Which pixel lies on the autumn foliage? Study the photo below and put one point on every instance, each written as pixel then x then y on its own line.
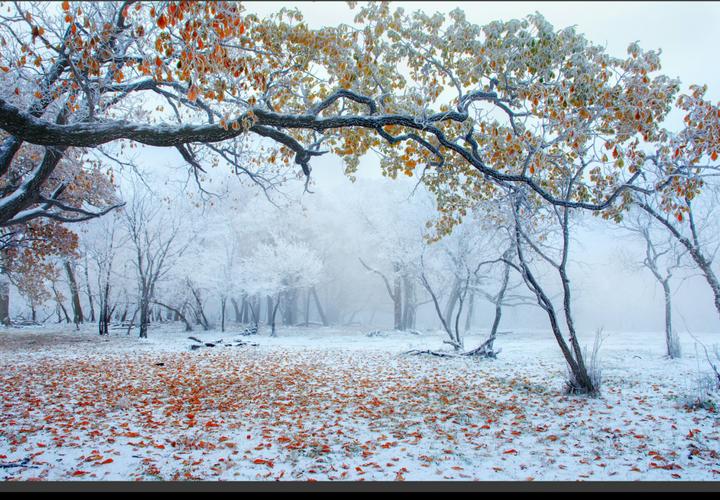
pixel 466 108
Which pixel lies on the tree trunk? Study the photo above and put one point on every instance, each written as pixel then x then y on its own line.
pixel 318 306
pixel 671 339
pixel 144 310
pixel 223 301
pixel 245 309
pixel 199 310
pixel 105 313
pixel 238 315
pixel 89 291
pixel 408 320
pixel 269 310
pixel 397 299
pixel 498 307
pixel 60 304
pixel 452 299
pixel 471 310
pixel 273 313
pixel 4 299
pixel 445 322
pixel 307 308
pixel 289 302
pixel 75 294
pixel 253 306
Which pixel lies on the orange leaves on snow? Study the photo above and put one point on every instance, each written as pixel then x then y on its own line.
pixel 261 461
pixel 264 408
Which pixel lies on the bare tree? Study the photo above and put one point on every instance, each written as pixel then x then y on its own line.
pixel 662 257
pixel 103 255
pixel 403 310
pixel 197 306
pixel 526 214
pixel 153 235
pixel 695 232
pixel 451 325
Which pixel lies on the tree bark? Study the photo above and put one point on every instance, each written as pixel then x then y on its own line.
pixel 4 298
pixel 89 292
pixel 320 310
pixel 397 298
pixel 273 313
pixel 144 310
pixel 671 340
pixel 223 301
pixel 75 294
pixel 470 312
pixel 238 316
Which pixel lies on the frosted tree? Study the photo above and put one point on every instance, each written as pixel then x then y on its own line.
pixel 663 257
pixel 396 225
pixel 279 266
pixel 154 233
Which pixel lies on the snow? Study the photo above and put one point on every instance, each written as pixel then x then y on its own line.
pixel 334 404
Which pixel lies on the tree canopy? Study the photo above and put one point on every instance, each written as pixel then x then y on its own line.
pixel 468 108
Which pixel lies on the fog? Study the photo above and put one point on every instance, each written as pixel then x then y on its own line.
pixel 608 291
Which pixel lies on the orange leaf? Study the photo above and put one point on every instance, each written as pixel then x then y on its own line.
pixel 79 473
pixel 192 93
pixel 66 6
pixel 261 461
pixel 162 22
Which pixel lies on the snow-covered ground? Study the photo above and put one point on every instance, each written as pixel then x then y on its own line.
pixel 335 404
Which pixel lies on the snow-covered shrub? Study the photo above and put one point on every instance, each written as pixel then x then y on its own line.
pixel 704 393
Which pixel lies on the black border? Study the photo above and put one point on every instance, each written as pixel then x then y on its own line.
pixel 355 486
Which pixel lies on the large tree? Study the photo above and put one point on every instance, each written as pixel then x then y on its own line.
pixel 471 106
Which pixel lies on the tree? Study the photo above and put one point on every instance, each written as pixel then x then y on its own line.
pixel 684 168
pixel 454 266
pixel 532 225
pixel 397 241
pixel 106 255
pixel 277 267
pixel 29 259
pixel 663 256
pixel 153 233
pixel 472 106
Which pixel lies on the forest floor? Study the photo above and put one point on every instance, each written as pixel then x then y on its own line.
pixel 334 404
